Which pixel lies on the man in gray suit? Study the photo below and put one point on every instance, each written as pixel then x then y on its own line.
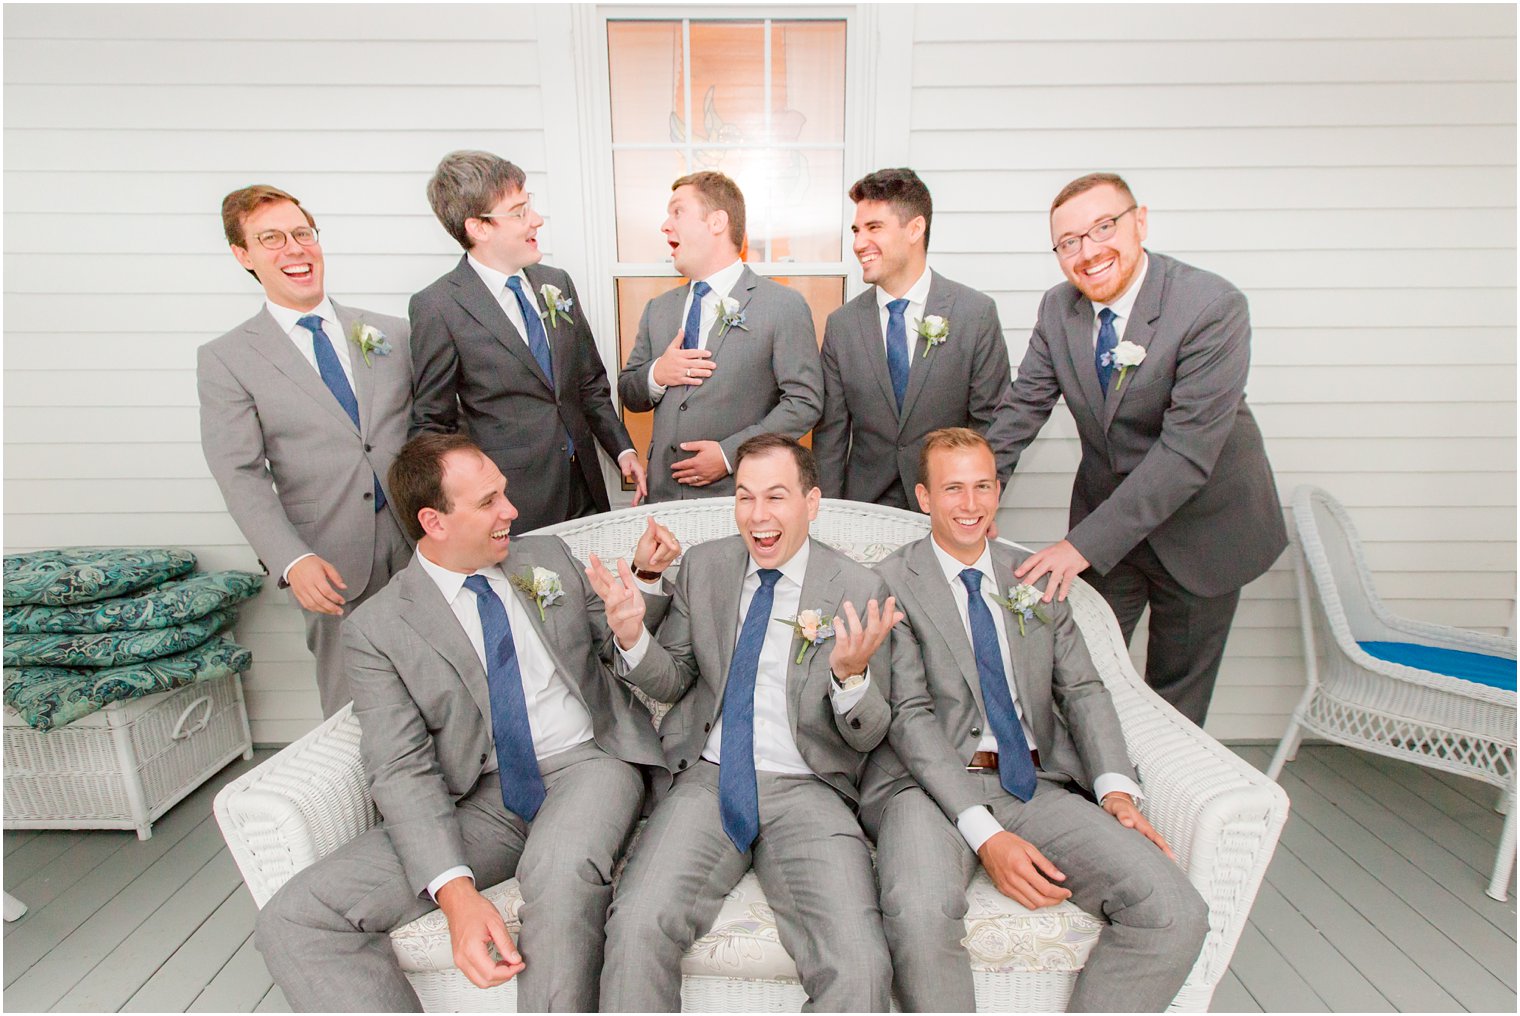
pixel 496 742
pixel 502 350
pixel 766 739
pixel 1174 502
pixel 914 353
pixel 743 359
pixel 303 407
pixel 1001 727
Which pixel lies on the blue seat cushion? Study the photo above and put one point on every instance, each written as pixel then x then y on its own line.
pixel 1494 671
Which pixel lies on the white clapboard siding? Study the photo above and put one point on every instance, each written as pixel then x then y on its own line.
pixel 1352 170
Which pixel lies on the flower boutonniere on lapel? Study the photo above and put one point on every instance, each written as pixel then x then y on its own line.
pixel 730 316
pixel 811 627
pixel 370 340
pixel 1024 604
pixel 541 584
pixel 1124 356
pixel 557 304
pixel 933 330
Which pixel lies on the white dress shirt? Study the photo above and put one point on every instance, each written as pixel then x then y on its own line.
pixel 722 283
pixel 976 823
pixel 913 314
pixel 1122 306
pixel 556 717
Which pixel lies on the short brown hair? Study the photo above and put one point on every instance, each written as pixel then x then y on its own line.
pixel 241 203
pixel 902 189
pixel 1083 184
pixel 416 476
pixel 466 185
pixel 948 439
pixel 760 444
pixel 719 194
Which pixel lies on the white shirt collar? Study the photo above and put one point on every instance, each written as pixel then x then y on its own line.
pixel 450 582
pixel 953 568
pixel 496 282
pixel 723 280
pixel 918 293
pixel 289 319
pixel 1126 302
pixel 795 569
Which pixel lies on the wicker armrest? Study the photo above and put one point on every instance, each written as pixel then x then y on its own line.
pixel 1445 637
pixel 297 807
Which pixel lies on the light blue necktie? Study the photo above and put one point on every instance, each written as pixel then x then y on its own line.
pixel 897 349
pixel 1103 352
pixel 738 794
pixel 693 333
pixel 538 339
pixel 1015 767
pixel 522 785
pixel 336 381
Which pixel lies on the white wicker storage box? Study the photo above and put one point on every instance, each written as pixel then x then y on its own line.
pixel 125 765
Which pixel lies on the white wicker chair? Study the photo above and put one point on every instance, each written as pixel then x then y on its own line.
pixel 1222 817
pixel 1402 712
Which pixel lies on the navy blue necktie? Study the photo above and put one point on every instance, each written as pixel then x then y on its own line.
pixel 1108 341
pixel 693 333
pixel 738 795
pixel 336 381
pixel 1015 767
pixel 897 349
pixel 522 785
pixel 538 339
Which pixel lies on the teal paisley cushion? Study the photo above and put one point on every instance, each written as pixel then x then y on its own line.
pixel 86 574
pixel 173 603
pixel 48 697
pixel 113 649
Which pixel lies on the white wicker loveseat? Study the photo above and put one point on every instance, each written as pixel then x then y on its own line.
pixel 1220 815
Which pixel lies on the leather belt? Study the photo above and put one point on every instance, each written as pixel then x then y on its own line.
pixel 988 760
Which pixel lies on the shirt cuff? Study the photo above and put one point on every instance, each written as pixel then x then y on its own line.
pixel 447 877
pixel 843 700
pixel 1107 783
pixel 726 464
pixel 656 391
pixel 625 452
pixel 977 826
pixel 654 588
pixel 285 575
pixel 631 658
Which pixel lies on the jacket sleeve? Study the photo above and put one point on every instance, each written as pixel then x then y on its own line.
pixel 831 437
pixel 435 370
pixel 633 381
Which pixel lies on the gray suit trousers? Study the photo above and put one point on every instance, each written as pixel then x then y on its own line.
pixel 1156 919
pixel 325 935
pixel 813 863
pixel 323 631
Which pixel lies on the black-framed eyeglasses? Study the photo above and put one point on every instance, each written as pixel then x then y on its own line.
pixel 522 211
pixel 274 239
pixel 1068 246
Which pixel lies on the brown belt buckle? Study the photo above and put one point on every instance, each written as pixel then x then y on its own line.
pixel 983 760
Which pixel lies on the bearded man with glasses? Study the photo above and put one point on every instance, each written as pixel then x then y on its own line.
pixel 303 408
pixel 1174 503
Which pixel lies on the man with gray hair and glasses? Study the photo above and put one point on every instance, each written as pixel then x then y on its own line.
pixel 501 348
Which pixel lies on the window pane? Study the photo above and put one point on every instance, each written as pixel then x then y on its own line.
pixel 644 66
pixel 641 186
pixel 794 197
pixel 728 82
pixel 807 81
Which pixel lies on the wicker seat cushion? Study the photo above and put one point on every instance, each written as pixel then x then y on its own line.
pixel 86 574
pixel 113 649
pixel 1494 671
pixel 172 603
pixel 48 697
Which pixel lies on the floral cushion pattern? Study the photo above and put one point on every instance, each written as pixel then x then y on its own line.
pixel 48 697
pixel 113 649
pixel 86 574
pixel 173 603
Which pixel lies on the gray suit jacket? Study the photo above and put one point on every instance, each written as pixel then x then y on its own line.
pixel 937 711
pixel 1173 455
pixel 767 380
pixel 474 372
pixel 424 707
pixel 688 663
pixel 865 447
pixel 296 474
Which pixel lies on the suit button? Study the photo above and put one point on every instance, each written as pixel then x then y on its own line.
pixel 706 728
pixel 683 407
pixel 681 764
pixel 855 724
pixel 976 731
pixel 675 448
pixel 482 758
pixel 369 495
pixel 369 448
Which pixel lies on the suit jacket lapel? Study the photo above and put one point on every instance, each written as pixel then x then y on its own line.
pixel 561 335
pixel 821 592
pixel 480 304
pixel 549 628
pixel 1079 341
pixel 727 588
pixel 265 336
pixel 867 319
pixel 1140 330
pixel 939 604
pixel 940 302
pixel 364 378
pixel 1034 701
pixel 431 617
pixel 743 291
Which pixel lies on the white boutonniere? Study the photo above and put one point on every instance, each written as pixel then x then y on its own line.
pixel 541 584
pixel 811 627
pixel 933 330
pixel 729 315
pixel 369 339
pixel 556 303
pixel 1124 356
pixel 1024 604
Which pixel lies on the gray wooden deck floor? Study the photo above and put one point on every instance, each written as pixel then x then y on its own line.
pixel 1374 902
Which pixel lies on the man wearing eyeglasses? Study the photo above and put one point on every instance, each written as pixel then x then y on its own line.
pixel 1174 503
pixel 303 407
pixel 501 348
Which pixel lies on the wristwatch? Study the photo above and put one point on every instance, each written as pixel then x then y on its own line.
pixel 850 683
pixel 646 576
